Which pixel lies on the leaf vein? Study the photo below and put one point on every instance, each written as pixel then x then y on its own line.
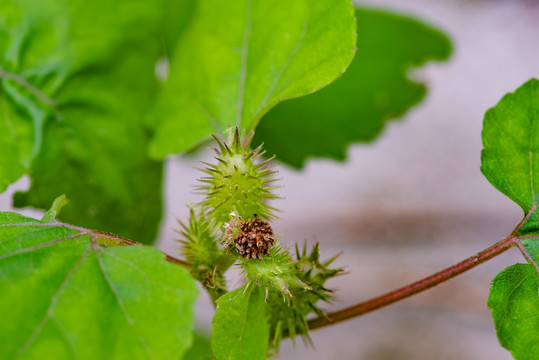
pixel 40 246
pixel 277 78
pixel 144 274
pixel 243 66
pixel 532 133
pixel 121 304
pixel 502 172
pixel 52 305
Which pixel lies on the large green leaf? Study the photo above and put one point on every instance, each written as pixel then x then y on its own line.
pixel 239 58
pixel 515 308
pixel 374 89
pixel 240 331
pixel 510 157
pixel 76 81
pixel 67 296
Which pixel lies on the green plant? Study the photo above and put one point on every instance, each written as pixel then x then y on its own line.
pixel 77 121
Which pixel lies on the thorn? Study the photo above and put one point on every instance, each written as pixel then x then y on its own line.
pixel 267 161
pixel 261 153
pixel 224 162
pixel 209 165
pixel 228 151
pixel 208 171
pixel 218 143
pixel 272 181
pixel 248 139
pixel 236 142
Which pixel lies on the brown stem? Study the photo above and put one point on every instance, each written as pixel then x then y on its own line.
pixel 124 241
pixel 110 239
pixel 422 285
pixel 416 287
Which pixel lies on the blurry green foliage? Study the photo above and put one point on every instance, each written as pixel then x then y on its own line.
pixel 86 97
pixel 78 91
pixel 374 89
pixel 238 59
pixel 199 350
pixel 77 79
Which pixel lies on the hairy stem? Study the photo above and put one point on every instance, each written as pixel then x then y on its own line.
pixel 108 239
pixel 124 241
pixel 416 287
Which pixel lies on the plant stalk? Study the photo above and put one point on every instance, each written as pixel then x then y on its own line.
pixel 414 288
pixel 116 240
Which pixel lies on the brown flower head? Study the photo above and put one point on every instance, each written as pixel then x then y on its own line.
pixel 255 239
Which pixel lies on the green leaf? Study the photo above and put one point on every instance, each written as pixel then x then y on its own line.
pixel 509 161
pixel 510 156
pixel 240 331
pixel 77 79
pixel 239 58
pixel 355 108
pixel 515 308
pixel 64 294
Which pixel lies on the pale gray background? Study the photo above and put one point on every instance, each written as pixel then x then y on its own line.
pixel 408 205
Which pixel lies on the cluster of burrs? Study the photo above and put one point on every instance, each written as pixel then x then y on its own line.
pixel 237 188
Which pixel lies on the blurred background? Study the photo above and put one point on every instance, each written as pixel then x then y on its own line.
pixel 407 205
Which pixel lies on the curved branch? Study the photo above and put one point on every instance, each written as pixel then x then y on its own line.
pixel 416 287
pixel 422 285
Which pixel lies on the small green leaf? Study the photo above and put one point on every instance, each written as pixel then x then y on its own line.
pixel 240 331
pixel 54 211
pixel 514 303
pixel 355 108
pixel 510 157
pixel 64 294
pixel 239 58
